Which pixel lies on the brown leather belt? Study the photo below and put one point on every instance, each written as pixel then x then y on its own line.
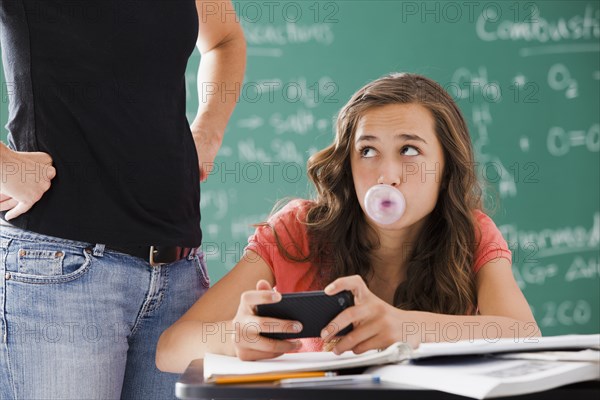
pixel 156 255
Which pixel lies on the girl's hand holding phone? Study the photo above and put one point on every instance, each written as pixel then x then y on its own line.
pixel 377 324
pixel 248 343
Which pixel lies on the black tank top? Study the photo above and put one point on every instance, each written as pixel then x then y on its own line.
pixel 100 86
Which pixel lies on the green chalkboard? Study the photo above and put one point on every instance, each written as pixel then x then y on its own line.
pixel 525 74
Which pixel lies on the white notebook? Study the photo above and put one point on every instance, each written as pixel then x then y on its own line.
pixel 220 365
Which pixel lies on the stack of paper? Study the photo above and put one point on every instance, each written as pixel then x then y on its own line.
pixel 478 369
pixel 216 365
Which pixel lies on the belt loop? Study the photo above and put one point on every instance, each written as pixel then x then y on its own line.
pixel 99 250
pixel 192 254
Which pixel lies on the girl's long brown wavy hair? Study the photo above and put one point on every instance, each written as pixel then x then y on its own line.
pixel 440 263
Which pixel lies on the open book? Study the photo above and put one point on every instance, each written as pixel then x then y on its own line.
pixel 507 367
pixel 488 377
pixel 218 365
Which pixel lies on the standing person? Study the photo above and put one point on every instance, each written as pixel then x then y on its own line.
pixel 100 194
pixel 442 272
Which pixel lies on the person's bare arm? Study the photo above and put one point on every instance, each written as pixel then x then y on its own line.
pixel 223 61
pixel 208 325
pixel 503 313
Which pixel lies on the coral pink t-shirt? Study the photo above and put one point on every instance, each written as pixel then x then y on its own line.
pixel 291 276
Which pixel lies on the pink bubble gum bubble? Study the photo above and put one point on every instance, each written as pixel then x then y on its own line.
pixel 384 204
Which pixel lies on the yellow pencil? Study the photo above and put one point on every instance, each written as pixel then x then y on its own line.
pixel 268 377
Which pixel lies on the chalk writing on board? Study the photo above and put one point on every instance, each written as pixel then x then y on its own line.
pixel 216 202
pixel 556 241
pixel 560 141
pixel 468 84
pixel 481 118
pixel 492 26
pixel 285 151
pixel 539 273
pixel 249 151
pixel 286 34
pixel 252 122
pixel 582 268
pixel 301 122
pixel 211 230
pixel 559 79
pixel 567 313
pixel 295 90
pixel 534 273
pixel 524 144
pixel 242 226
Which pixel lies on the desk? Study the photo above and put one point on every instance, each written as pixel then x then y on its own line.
pixel 191 386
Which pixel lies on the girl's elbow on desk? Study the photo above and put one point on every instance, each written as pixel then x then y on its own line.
pixel 434 327
pixel 163 354
pixel 170 356
pixel 176 348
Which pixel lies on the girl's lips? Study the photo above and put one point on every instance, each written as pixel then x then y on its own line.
pixel 384 204
pixel 387 203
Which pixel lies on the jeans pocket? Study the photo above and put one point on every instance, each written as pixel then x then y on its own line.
pixel 39 264
pixel 201 269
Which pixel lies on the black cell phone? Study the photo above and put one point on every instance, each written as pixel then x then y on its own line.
pixel 315 310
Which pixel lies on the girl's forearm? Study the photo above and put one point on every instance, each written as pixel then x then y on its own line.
pixel 188 340
pixel 431 327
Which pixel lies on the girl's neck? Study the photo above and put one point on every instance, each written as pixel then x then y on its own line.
pixel 395 245
pixel 390 258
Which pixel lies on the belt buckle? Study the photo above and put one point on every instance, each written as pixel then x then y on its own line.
pixel 151 257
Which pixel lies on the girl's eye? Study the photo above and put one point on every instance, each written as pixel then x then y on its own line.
pixel 410 151
pixel 367 152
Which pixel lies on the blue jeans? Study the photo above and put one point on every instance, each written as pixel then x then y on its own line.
pixel 81 322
